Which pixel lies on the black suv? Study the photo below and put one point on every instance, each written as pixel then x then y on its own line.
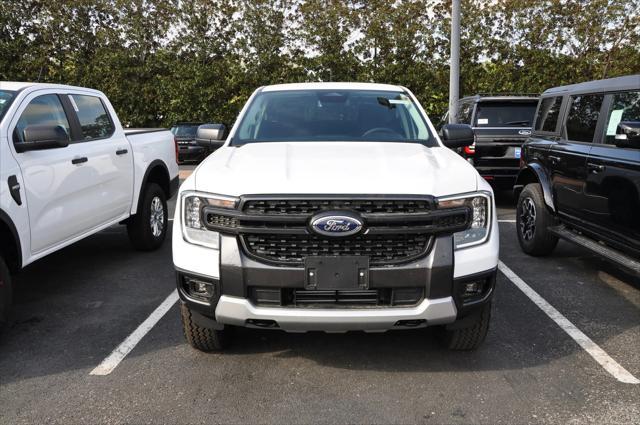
pixel 580 179
pixel 188 148
pixel 501 124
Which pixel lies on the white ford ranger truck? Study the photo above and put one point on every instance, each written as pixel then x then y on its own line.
pixel 69 170
pixel 335 207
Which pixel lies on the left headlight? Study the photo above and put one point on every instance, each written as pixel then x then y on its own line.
pixel 480 204
pixel 193 230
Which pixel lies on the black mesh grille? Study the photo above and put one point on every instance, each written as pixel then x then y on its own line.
pixel 302 297
pixel 311 206
pixel 221 221
pixel 381 249
pixel 298 297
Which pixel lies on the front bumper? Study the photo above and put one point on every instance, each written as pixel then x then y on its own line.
pixel 241 312
pixel 232 302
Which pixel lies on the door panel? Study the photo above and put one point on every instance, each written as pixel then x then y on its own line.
pixel 568 157
pixel 110 160
pixel 54 187
pixel 568 162
pixel 613 182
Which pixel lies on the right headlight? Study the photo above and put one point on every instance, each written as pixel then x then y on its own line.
pixel 193 230
pixel 480 204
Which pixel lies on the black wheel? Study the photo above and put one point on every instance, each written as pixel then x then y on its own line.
pixel 533 220
pixel 5 293
pixel 470 335
pixel 148 228
pixel 200 337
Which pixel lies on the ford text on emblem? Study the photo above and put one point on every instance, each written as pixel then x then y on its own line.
pixel 524 132
pixel 336 224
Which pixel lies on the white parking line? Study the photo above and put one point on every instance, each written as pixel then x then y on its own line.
pixel 113 360
pixel 506 221
pixel 599 355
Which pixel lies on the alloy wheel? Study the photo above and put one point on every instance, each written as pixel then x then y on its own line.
pixel 157 217
pixel 527 219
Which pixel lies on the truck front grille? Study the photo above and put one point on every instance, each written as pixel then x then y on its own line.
pixel 297 297
pixel 312 206
pixel 277 229
pixel 381 249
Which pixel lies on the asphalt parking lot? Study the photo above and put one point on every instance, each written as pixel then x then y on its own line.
pixel 75 307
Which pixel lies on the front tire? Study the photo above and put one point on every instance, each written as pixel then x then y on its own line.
pixel 533 221
pixel 5 293
pixel 148 228
pixel 203 338
pixel 472 334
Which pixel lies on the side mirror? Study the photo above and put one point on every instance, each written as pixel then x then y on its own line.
pixel 39 137
pixel 211 135
pixel 457 135
pixel 628 134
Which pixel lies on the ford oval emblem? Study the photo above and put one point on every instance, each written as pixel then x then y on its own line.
pixel 524 132
pixel 336 224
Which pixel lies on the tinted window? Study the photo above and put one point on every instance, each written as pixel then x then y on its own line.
pixel 43 110
pixel 185 130
pixel 505 114
pixel 94 120
pixel 332 115
pixel 583 117
pixel 625 107
pixel 465 110
pixel 6 97
pixel 548 112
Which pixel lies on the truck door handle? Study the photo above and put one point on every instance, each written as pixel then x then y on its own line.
pixel 79 160
pixel 14 189
pixel 595 168
pixel 122 152
pixel 555 159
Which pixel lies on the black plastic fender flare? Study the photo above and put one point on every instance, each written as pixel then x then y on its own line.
pixel 5 219
pixel 542 178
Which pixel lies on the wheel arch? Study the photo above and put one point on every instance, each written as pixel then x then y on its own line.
pixel 534 173
pixel 157 172
pixel 10 247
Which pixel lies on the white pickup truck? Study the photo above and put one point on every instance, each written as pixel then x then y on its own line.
pixel 335 207
pixel 68 170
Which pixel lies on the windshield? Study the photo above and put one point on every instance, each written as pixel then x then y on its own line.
pixel 185 130
pixel 505 114
pixel 6 97
pixel 332 115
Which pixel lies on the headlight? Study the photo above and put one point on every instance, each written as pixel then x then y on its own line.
pixel 480 204
pixel 193 230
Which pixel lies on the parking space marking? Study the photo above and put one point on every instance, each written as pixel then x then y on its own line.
pixel 113 360
pixel 506 221
pixel 598 354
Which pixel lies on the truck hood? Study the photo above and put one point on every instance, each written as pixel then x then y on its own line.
pixel 335 168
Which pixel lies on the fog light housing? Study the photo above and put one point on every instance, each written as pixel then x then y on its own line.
pixel 472 288
pixel 200 289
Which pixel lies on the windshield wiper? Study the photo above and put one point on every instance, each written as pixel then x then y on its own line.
pixel 525 122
